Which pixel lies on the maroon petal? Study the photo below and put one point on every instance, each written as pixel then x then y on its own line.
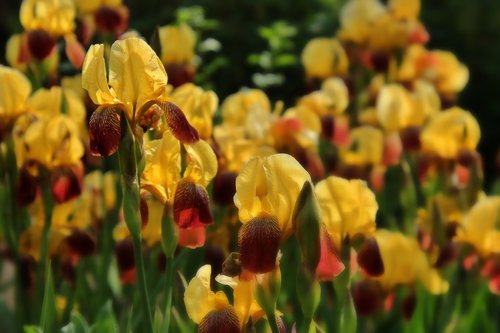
pixel 370 258
pixel 367 297
pixel 26 187
pixel 178 124
pixel 259 243
pixel 81 243
pixel 220 321
pixel 191 207
pixel 109 19
pixel 67 183
pixel 224 187
pixel 105 130
pixel 40 44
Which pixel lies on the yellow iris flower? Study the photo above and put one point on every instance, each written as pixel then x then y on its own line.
pixel 201 302
pixel 270 186
pixel 331 100
pixel 397 108
pixel 323 58
pixel 441 68
pixel 51 102
pixel 137 85
pixel 357 18
pixel 14 92
pixel 348 208
pixel 198 105
pixel 481 227
pixel 450 132
pixel 177 44
pixel 57 17
pixel 266 193
pixel 53 142
pixel 365 146
pixel 404 263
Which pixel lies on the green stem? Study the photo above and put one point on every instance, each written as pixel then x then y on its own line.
pixel 141 274
pixel 271 318
pixel 169 281
pixel 127 153
pixel 48 206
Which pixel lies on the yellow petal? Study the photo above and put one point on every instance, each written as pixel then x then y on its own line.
pixel 151 233
pixel 270 186
pixel 14 91
pixel 198 106
pixel 49 103
pixel 13 52
pixel 324 57
pixel 449 132
pixel 404 9
pixel 404 262
pixel 57 17
pixel 202 163
pixel 348 207
pixel 177 44
pixel 162 171
pixel 136 73
pixel 394 107
pixel 479 226
pixel 94 76
pixel 198 298
pixel 365 146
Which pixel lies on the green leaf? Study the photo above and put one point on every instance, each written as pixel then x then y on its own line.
pixel 106 322
pixel 32 329
pixel 158 321
pixel 78 324
pixel 48 316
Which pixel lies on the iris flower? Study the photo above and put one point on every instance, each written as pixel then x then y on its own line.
pixel 212 310
pixel 136 89
pixel 266 192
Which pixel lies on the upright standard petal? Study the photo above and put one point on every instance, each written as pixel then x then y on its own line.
pixel 202 163
pixel 14 91
pixel 94 76
pixel 270 186
pixel 136 74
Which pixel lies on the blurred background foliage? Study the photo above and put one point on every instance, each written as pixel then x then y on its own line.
pixel 257 43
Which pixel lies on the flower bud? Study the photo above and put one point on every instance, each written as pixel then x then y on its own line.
pixel 307 226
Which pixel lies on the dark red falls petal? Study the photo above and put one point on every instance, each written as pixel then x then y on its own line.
pixel 105 130
pixel 259 243
pixel 370 258
pixel 191 206
pixel 178 124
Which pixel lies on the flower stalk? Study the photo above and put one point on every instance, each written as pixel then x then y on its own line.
pixel 127 153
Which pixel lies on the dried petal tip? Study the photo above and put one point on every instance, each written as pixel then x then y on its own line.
pixel 191 206
pixel 105 130
pixel 178 124
pixel 259 242
pixel 370 258
pixel 220 321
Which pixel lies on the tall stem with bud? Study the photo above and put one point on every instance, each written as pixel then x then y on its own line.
pixel 128 153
